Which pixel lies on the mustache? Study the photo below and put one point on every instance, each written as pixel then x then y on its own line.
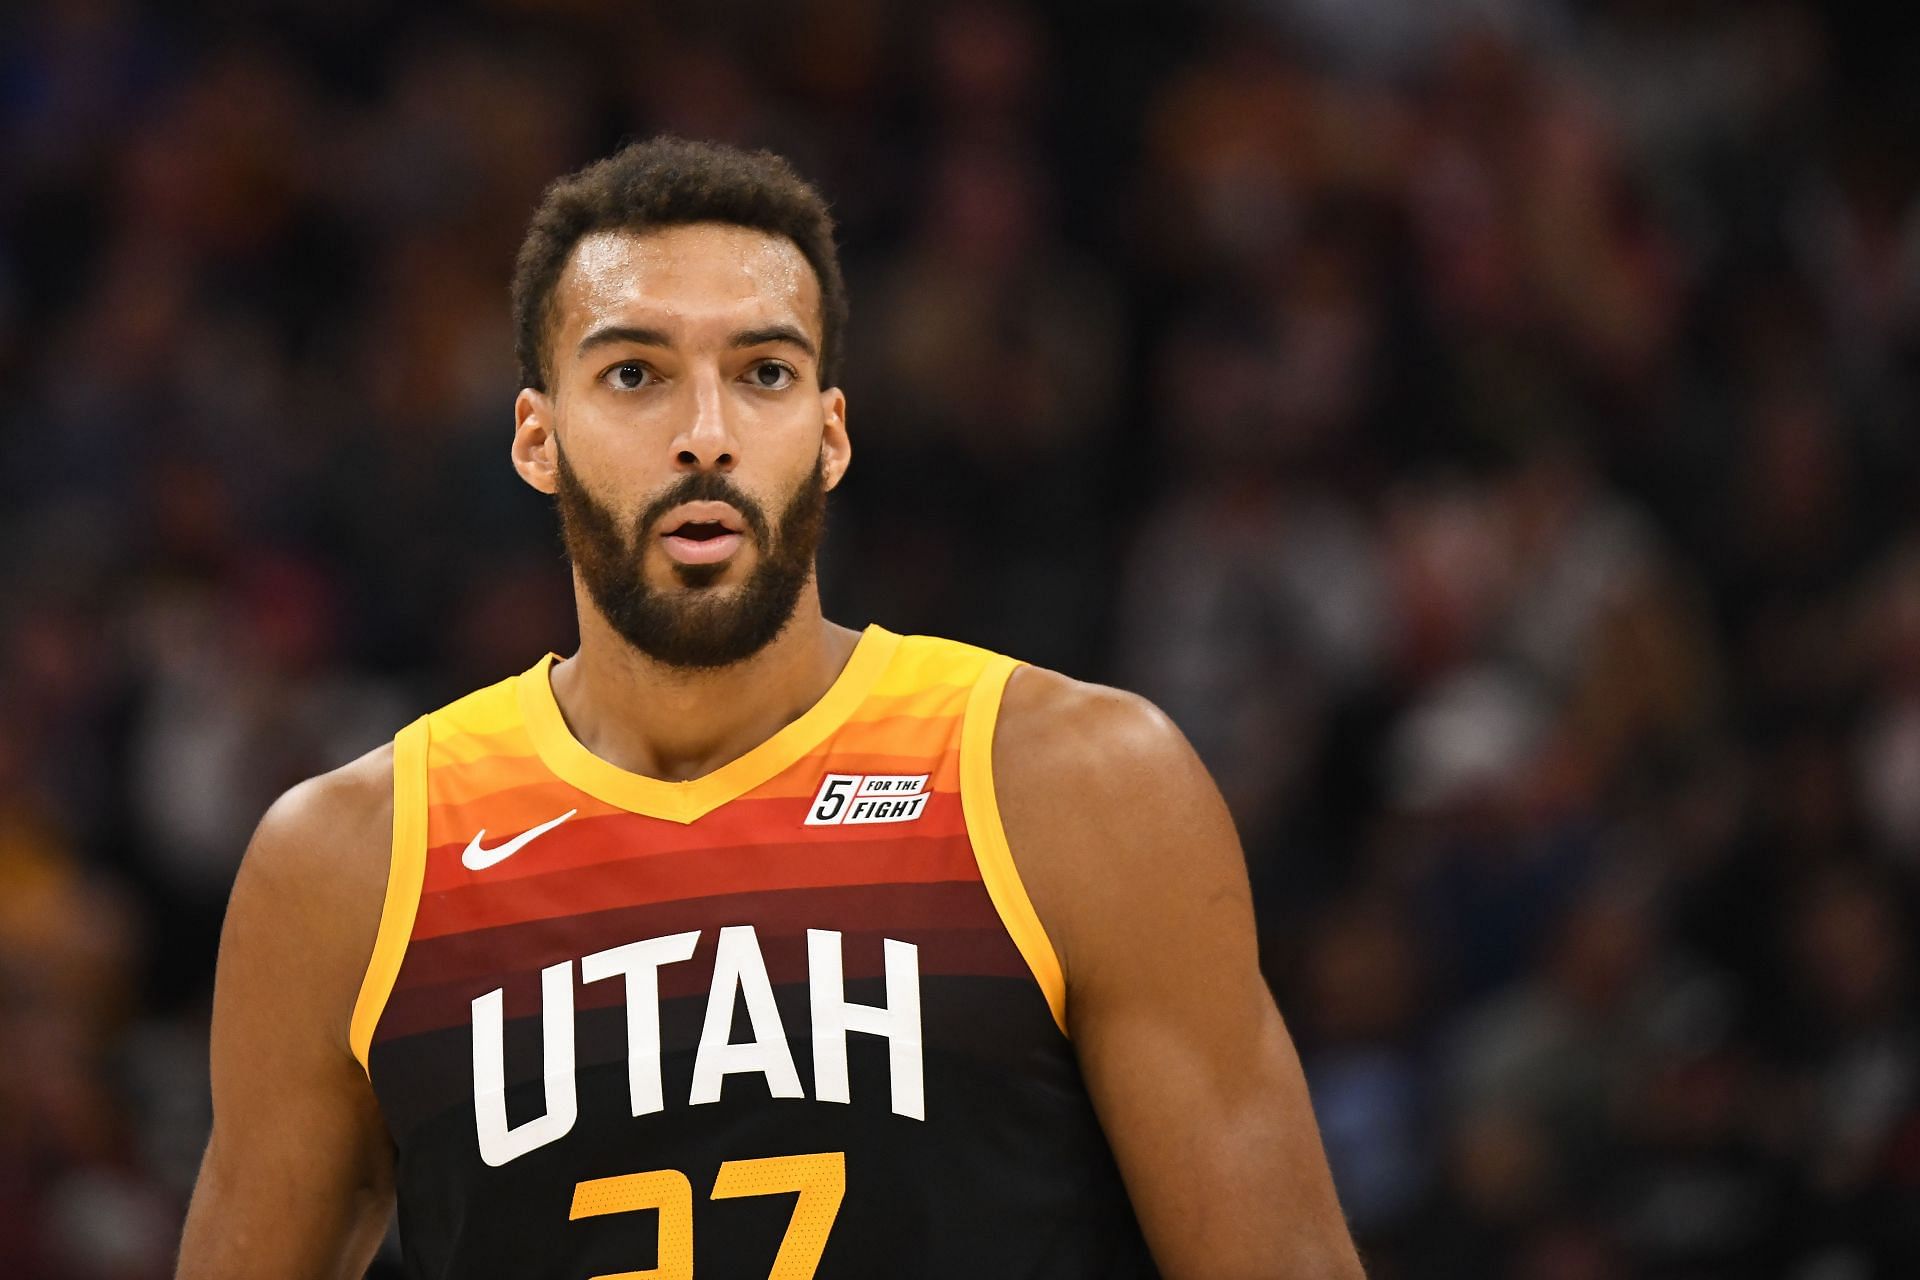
pixel 704 486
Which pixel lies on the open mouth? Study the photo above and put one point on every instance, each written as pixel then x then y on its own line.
pixel 703 536
pixel 700 530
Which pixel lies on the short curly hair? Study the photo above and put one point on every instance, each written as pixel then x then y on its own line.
pixel 663 182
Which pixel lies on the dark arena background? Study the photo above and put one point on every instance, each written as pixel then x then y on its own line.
pixel 1488 427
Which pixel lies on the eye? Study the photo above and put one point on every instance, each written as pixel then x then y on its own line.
pixel 628 375
pixel 772 375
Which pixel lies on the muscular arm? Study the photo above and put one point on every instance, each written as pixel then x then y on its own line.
pixel 297 1178
pixel 1142 887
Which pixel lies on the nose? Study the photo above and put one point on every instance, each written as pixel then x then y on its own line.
pixel 706 441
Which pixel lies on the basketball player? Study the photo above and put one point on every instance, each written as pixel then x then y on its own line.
pixel 740 944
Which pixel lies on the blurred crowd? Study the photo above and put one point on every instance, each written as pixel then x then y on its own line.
pixel 1486 426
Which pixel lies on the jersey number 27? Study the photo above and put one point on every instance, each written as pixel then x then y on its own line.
pixel 821 1180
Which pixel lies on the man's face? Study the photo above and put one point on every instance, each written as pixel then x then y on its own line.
pixel 686 436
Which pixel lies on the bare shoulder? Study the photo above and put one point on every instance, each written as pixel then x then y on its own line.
pixel 331 832
pixel 1072 757
pixel 1088 729
pixel 1112 819
pixel 314 879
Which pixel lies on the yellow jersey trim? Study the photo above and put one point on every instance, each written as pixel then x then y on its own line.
pixel 406 871
pixel 989 837
pixel 685 802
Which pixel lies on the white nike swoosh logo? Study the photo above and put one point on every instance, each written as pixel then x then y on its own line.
pixel 478 858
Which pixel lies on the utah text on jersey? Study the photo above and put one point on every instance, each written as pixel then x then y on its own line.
pixel 739 974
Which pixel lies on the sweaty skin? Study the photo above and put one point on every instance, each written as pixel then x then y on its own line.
pixel 1137 877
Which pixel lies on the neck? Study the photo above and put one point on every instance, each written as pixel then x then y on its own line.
pixel 675 724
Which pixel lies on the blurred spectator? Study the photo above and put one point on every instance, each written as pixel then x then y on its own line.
pixel 1357 1017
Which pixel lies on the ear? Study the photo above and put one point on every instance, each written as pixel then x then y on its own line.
pixel 534 441
pixel 836 451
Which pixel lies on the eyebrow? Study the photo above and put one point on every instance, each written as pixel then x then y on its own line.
pixel 775 333
pixel 608 335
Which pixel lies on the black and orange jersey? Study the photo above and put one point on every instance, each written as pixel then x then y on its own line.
pixel 793 1018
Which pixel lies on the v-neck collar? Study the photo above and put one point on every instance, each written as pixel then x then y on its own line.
pixel 690 800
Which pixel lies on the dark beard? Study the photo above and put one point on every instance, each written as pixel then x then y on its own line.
pixel 698 627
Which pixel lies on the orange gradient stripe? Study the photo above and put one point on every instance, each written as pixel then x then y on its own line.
pixel 699 873
pixel 595 839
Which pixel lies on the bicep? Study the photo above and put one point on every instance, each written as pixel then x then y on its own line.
pixel 1201 1095
pixel 296 1178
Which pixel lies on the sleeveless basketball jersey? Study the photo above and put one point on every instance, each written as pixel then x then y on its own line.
pixel 793 1018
